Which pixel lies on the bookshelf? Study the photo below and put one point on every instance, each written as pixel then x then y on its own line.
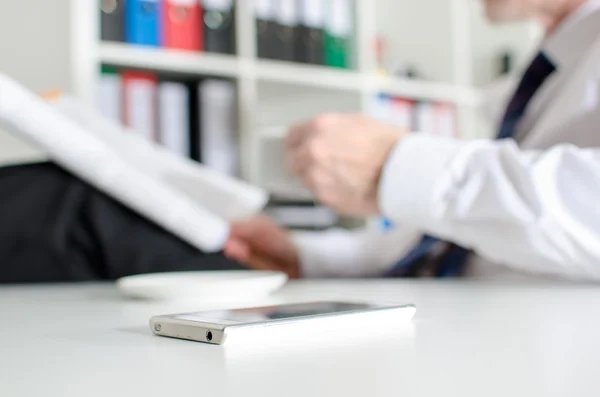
pixel 324 77
pixel 170 60
pixel 273 94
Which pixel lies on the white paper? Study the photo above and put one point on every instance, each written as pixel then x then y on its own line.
pixel 218 144
pixel 313 13
pixel 226 197
pixel 177 194
pixel 174 117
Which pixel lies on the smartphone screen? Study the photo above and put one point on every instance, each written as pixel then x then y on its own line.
pixel 270 313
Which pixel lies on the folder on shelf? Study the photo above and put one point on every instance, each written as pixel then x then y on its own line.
pixel 445 119
pixel 109 99
pixel 216 141
pixel 264 13
pixel 174 117
pixel 175 193
pixel 143 22
pixel 339 33
pixel 286 21
pixel 112 22
pixel 310 32
pixel 182 25
pixel 402 113
pixel 139 94
pixel 425 117
pixel 219 26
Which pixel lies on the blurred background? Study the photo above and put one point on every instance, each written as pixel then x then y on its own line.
pixel 220 80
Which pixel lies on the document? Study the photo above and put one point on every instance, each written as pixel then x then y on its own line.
pixel 178 194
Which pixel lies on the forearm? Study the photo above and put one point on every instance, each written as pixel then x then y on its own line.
pixel 534 211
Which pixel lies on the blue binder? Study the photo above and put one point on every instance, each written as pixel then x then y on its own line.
pixel 142 22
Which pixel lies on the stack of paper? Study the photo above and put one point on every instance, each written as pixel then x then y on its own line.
pixel 180 195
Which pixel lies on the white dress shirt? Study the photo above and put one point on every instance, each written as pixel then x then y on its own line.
pixel 524 212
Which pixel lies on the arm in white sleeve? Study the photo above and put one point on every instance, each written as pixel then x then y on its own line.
pixel 358 253
pixel 535 211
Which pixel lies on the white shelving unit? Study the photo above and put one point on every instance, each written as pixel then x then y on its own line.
pixel 281 72
pixel 273 93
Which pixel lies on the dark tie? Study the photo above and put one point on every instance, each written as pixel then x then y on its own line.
pixel 453 258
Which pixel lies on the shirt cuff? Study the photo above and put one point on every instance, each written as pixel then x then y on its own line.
pixel 342 253
pixel 310 252
pixel 413 172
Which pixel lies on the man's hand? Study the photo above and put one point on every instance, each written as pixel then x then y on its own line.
pixel 340 159
pixel 262 245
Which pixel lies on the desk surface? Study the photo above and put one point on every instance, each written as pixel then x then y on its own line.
pixel 467 340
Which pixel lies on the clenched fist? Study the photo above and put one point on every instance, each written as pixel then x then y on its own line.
pixel 340 157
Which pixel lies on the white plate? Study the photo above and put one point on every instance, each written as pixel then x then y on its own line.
pixel 208 285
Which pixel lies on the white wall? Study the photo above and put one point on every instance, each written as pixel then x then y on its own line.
pixel 421 32
pixel 35 50
pixel 418 32
pixel 489 41
pixel 34 42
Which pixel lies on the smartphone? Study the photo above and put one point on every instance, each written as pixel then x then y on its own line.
pixel 212 326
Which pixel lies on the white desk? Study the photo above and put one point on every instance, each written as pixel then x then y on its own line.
pixel 467 340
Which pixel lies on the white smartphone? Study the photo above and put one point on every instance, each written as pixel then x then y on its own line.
pixel 212 326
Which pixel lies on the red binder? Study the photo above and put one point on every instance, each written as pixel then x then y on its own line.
pixel 182 25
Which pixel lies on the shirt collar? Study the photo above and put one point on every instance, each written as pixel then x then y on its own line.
pixel 573 37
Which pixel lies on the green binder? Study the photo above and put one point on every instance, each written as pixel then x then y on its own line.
pixel 339 34
pixel 337 51
pixel 108 70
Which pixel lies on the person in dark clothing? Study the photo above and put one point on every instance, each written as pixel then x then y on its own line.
pixel 57 228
